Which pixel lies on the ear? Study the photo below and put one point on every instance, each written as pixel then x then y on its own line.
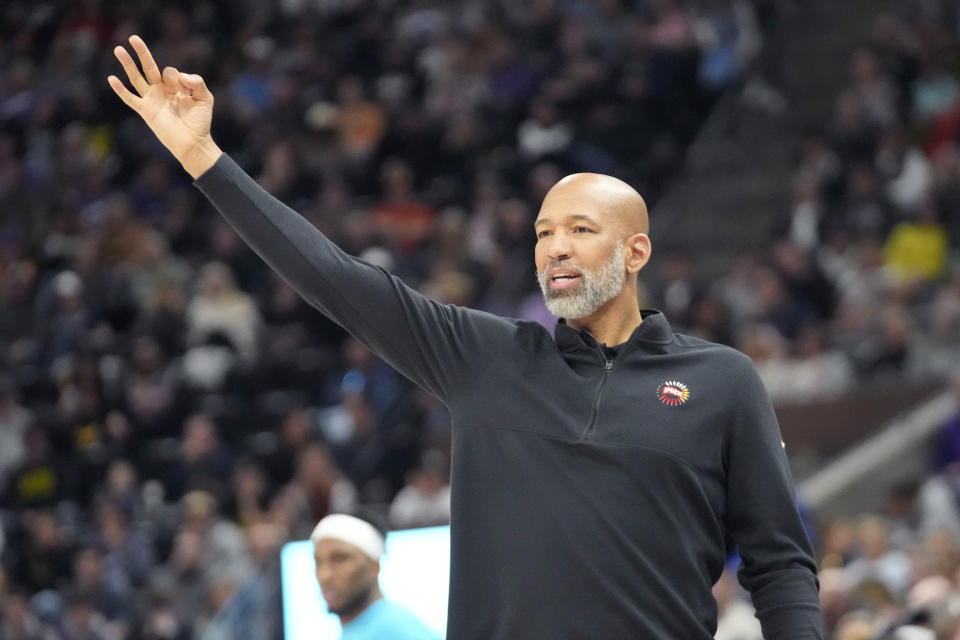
pixel 638 252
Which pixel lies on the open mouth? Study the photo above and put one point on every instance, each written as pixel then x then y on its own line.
pixel 563 280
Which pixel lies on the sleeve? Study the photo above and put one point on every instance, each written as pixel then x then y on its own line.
pixel 777 568
pixel 440 347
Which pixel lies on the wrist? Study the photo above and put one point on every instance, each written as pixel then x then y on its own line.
pixel 201 157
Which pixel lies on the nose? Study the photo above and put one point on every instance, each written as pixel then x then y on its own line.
pixel 558 247
pixel 323 574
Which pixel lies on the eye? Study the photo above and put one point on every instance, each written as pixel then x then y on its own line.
pixel 582 230
pixel 543 234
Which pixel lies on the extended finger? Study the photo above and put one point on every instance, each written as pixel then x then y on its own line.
pixel 128 98
pixel 150 68
pixel 136 78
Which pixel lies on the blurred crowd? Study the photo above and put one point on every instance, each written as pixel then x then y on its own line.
pixel 862 281
pixel 170 411
pixel 862 277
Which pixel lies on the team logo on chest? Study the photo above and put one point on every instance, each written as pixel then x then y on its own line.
pixel 673 393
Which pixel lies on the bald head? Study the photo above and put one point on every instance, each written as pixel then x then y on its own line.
pixel 592 243
pixel 611 198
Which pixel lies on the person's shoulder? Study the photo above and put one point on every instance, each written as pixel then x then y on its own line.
pixel 531 331
pixel 399 623
pixel 735 365
pixel 527 334
pixel 709 349
pixel 397 612
pixel 488 320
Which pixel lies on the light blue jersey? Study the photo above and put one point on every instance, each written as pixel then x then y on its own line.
pixel 385 620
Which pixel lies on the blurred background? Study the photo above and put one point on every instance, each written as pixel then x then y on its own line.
pixel 171 412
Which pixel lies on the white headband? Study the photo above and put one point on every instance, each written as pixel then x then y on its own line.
pixel 355 531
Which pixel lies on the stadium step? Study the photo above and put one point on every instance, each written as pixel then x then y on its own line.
pixel 737 180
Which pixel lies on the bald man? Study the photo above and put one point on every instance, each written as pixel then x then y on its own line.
pixel 597 473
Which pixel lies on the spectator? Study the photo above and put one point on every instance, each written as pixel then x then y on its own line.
pixel 41 480
pixel 204 462
pixel 934 92
pixel 251 609
pixel 864 210
pixel 319 485
pixel 886 354
pixel 18 622
pixel 835 596
pixel 851 133
pixel 679 289
pixel 44 559
pixel 873 90
pixel 14 421
pixel 151 389
pixel 905 170
pixel 804 279
pixel 178 587
pixel 727 35
pixel 425 501
pixel 402 219
pixel 778 308
pixel 769 351
pixel 219 307
pixel 249 492
pixel 127 551
pixel 817 372
pixel 223 548
pixel 296 434
pixel 710 320
pixel 917 250
pixel 121 488
pixel 69 320
pixel 112 602
pixel 82 621
pixel 360 123
pixel 543 134
pixel 877 561
pixel 806 217
pixel 162 317
pixel 946 311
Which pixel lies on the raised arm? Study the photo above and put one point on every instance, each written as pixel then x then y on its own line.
pixel 440 347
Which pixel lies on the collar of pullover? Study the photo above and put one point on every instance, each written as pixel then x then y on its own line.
pixel 654 329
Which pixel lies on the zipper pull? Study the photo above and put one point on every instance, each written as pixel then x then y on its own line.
pixel 609 364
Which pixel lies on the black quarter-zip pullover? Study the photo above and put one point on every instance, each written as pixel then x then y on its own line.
pixel 591 495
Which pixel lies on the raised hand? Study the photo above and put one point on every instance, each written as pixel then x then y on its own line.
pixel 176 106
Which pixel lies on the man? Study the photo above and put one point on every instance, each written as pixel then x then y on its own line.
pixel 595 475
pixel 347 551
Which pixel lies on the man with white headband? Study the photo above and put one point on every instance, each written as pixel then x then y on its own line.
pixel 347 551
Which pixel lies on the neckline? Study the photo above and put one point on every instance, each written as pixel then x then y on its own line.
pixel 654 329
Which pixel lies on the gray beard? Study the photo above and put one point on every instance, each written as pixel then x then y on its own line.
pixel 595 290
